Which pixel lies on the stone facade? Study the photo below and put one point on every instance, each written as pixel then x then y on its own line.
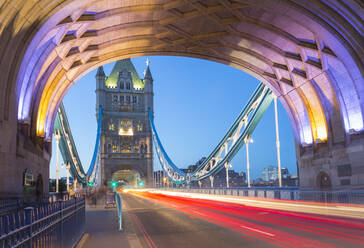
pixel 126 138
pixel 309 53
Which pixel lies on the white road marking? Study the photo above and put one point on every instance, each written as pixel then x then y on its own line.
pixel 259 231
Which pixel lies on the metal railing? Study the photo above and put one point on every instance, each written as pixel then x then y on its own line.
pixel 53 224
pixel 342 197
pixel 119 209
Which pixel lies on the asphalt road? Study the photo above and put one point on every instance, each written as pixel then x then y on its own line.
pixel 174 221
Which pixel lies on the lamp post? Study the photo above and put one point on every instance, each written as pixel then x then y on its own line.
pixel 227 166
pixel 277 142
pixel 74 184
pixel 57 135
pixel 68 166
pixel 247 141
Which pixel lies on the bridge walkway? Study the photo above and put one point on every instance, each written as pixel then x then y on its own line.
pixel 102 229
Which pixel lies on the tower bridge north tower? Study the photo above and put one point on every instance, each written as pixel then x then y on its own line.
pixel 126 141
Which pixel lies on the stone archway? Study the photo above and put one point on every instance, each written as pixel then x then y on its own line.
pixel 307 53
pixel 127 177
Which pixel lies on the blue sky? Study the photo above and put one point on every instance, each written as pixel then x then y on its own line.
pixel 195 102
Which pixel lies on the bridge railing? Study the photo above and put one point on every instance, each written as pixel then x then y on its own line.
pixel 342 197
pixel 53 224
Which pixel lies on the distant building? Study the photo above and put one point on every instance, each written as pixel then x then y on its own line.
pixel 270 173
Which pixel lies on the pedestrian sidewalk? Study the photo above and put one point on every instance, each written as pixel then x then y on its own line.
pixel 102 229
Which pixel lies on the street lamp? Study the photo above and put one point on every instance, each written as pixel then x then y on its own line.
pixel 247 141
pixel 227 166
pixel 57 135
pixel 277 142
pixel 68 166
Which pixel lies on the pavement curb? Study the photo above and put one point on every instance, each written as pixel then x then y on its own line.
pixel 82 241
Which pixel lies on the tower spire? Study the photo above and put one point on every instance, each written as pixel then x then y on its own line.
pixel 100 72
pixel 147 73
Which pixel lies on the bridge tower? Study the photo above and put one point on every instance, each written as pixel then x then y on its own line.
pixel 126 138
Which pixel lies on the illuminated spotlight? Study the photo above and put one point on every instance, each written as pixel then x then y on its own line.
pixel 114 184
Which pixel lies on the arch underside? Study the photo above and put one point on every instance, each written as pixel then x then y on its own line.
pixel 307 53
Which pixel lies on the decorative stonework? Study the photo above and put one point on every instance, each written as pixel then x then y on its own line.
pixel 125 134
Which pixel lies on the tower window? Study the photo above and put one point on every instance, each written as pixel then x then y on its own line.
pixel 115 148
pixel 125 148
pixel 134 99
pixel 128 85
pixel 128 99
pixel 111 127
pixel 140 127
pixel 122 85
pixel 126 128
pixel 115 98
pixel 122 99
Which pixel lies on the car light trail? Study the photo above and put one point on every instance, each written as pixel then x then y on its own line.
pixel 276 227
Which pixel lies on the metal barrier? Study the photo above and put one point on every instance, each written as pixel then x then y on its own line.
pixel 342 197
pixel 54 224
pixel 120 209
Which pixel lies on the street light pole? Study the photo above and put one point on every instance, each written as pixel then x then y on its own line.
pixel 57 135
pixel 277 142
pixel 247 140
pixel 212 181
pixel 227 166
pixel 68 176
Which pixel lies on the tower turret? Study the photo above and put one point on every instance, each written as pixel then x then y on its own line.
pixel 148 88
pixel 148 80
pixel 100 78
pixel 100 87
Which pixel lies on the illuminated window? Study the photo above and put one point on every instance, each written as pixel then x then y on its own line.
pixel 115 148
pixel 126 128
pixel 134 99
pixel 136 148
pixel 111 127
pixel 125 148
pixel 140 127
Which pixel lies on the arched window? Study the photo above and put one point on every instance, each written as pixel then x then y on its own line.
pixel 128 85
pixel 140 127
pixel 122 85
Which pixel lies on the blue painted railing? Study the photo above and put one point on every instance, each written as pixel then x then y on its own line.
pixel 53 224
pixel 119 208
pixel 69 151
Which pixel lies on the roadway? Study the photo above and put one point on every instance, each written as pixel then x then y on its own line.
pixel 161 220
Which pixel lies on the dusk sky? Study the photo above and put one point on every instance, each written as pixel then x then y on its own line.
pixel 195 102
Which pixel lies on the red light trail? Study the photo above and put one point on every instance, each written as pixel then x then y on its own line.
pixel 277 227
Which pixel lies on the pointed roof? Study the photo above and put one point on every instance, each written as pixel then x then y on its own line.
pixel 100 72
pixel 124 65
pixel 148 74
